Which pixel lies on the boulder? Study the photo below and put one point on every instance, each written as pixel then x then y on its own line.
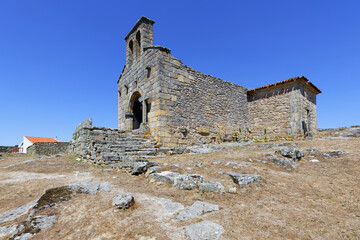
pixel 204 230
pixel 197 209
pixel 291 152
pixel 188 181
pixel 165 176
pixel 244 179
pixel 123 201
pixel 153 169
pixel 211 187
pixel 140 167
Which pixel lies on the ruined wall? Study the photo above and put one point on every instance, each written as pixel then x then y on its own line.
pixel 282 110
pixel 48 148
pixel 199 108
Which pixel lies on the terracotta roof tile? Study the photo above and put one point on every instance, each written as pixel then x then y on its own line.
pixel 40 139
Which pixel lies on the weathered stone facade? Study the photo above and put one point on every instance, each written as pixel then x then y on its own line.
pixel 182 106
pixel 287 108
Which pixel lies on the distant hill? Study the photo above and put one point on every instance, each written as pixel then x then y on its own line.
pixel 6 148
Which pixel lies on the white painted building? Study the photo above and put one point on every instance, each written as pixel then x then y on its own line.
pixel 28 141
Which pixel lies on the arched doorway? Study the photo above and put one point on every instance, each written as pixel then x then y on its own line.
pixel 137 109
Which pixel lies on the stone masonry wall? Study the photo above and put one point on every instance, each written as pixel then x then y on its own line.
pixel 48 148
pixel 88 141
pixel 270 110
pixel 199 108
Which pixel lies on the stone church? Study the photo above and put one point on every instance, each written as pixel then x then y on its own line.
pixel 179 105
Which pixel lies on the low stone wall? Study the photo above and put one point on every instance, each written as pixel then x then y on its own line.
pixel 89 141
pixel 48 148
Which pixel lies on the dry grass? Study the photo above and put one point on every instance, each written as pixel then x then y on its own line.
pixel 315 201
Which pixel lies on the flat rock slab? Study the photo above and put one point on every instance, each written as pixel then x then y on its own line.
pixel 43 221
pixel 170 206
pixel 123 201
pixel 7 230
pixel 91 188
pixel 211 187
pixel 204 230
pixel 244 179
pixel 188 181
pixel 197 209
pixel 165 176
pixel 17 212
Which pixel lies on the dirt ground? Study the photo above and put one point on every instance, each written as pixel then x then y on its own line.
pixel 317 200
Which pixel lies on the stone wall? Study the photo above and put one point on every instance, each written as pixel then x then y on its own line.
pixel 48 148
pixel 199 108
pixel 88 141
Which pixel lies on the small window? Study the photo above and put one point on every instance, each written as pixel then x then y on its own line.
pixel 131 46
pixel 138 45
pixel 148 72
pixel 126 89
pixel 119 93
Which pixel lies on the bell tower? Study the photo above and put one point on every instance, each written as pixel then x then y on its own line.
pixel 140 37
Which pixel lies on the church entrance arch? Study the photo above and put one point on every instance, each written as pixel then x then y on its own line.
pixel 136 104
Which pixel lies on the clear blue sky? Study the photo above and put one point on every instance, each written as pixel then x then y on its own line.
pixel 60 59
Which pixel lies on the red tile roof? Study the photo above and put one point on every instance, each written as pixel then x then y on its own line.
pixel 294 79
pixel 40 139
